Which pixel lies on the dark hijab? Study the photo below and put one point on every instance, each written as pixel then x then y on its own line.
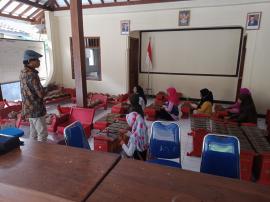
pixel 135 106
pixel 140 92
pixel 206 95
pixel 248 113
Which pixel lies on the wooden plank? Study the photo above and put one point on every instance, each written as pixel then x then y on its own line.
pixel 34 13
pixel 57 170
pixel 34 4
pixel 132 180
pixel 66 2
pixel 5 6
pixel 16 17
pixel 57 5
pixel 14 194
pixel 78 52
pixel 16 8
pixel 26 10
pixel 39 15
pixel 127 3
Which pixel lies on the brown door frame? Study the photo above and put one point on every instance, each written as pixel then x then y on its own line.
pixel 242 65
pixel 133 58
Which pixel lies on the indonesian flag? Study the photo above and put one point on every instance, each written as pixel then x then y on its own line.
pixel 149 60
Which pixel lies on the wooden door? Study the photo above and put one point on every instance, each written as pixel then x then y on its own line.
pixel 133 62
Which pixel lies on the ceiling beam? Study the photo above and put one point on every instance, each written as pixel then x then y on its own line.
pixel 5 6
pixel 26 10
pixel 39 16
pixel 127 3
pixel 66 2
pixel 51 4
pixel 16 17
pixel 39 20
pixel 35 4
pixel 16 8
pixel 34 13
pixel 57 5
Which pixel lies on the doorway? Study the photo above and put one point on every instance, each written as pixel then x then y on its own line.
pixel 133 62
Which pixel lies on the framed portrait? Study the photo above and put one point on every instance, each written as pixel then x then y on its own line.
pixel 125 27
pixel 184 18
pixel 253 20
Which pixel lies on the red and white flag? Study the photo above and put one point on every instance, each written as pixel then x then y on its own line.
pixel 149 59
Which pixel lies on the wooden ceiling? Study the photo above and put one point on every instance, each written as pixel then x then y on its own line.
pixel 33 10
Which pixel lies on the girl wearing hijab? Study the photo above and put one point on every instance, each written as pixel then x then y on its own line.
pixel 247 112
pixel 170 110
pixel 206 102
pixel 138 137
pixel 134 105
pixel 235 108
pixel 142 99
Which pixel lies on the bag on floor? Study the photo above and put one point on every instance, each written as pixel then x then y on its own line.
pixel 8 143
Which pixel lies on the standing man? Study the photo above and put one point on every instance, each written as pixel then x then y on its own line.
pixel 32 96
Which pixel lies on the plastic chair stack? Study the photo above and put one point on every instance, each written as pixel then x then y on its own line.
pixel 165 144
pixel 221 156
pixel 200 126
pixel 75 137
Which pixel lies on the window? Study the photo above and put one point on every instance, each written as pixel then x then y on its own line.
pixel 11 91
pixel 92 58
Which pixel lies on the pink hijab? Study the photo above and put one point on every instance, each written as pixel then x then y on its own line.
pixel 172 96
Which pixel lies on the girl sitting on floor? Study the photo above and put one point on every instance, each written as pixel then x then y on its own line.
pixel 235 108
pixel 206 102
pixel 247 112
pixel 138 137
pixel 142 99
pixel 134 105
pixel 170 110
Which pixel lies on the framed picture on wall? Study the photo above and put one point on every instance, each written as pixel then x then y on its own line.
pixel 184 18
pixel 253 20
pixel 124 26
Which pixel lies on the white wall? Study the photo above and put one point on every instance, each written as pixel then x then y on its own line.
pixel 113 52
pixel 105 22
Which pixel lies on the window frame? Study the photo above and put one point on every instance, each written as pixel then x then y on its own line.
pixel 10 82
pixel 89 42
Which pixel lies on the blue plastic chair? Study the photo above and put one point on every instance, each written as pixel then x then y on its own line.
pixel 75 137
pixel 220 156
pixel 165 144
pixel 14 132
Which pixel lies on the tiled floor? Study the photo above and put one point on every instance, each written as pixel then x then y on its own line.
pixel 188 162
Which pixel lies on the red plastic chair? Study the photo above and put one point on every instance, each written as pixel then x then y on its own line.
pixel 63 110
pixel 84 115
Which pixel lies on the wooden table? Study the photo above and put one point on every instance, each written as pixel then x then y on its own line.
pixel 132 180
pixel 57 170
pixel 17 194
